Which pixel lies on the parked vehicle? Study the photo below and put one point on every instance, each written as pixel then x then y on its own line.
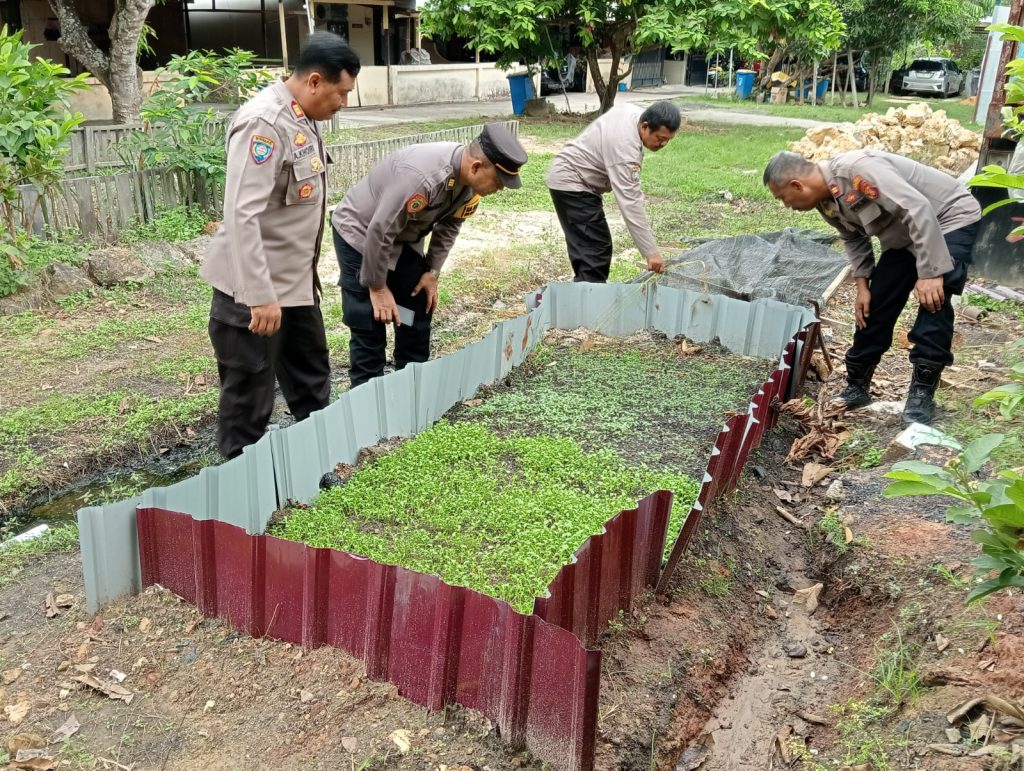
pixel 933 76
pixel 896 81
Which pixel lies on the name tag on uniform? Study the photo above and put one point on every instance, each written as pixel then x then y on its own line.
pixel 468 209
pixel 304 152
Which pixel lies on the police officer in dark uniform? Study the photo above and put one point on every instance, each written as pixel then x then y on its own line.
pixel 926 222
pixel 379 232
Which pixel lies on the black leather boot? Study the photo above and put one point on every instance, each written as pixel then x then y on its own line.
pixel 858 386
pixel 921 396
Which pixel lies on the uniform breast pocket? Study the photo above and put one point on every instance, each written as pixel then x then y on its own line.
pixel 307 183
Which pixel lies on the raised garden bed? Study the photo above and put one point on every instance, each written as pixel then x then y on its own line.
pixel 501 492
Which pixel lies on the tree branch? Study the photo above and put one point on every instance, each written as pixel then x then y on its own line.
pixel 75 41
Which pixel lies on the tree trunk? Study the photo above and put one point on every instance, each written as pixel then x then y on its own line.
pixel 853 78
pixel 835 67
pixel 814 85
pixel 119 71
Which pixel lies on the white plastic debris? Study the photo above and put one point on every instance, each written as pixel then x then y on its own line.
pixel 28 535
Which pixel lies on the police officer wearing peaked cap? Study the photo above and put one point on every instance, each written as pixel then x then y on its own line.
pixel 265 317
pixel 926 222
pixel 379 232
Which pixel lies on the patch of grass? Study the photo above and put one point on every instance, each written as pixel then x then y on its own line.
pixel 41 252
pixel 534 195
pixel 951 578
pixel 895 673
pixel 389 131
pixel 109 334
pixel 24 326
pixel 863 738
pixel 510 512
pixel 714 585
pixel 177 224
pixel 56 540
pixel 996 306
pixel 624 270
pixel 190 364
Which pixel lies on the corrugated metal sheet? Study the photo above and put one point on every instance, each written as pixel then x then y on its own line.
pixel 439 644
pixel 609 571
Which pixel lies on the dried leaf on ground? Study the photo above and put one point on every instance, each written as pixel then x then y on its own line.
pixel 19 742
pixel 814 473
pixel 808 597
pixel 686 348
pixel 824 434
pixel 401 740
pixel 35 762
pixel 52 611
pixel 995 704
pixel 10 675
pixel 16 712
pixel 112 690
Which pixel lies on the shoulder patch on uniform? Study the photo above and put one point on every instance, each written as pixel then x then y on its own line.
pixel 297 110
pixel 415 203
pixel 834 189
pixel 300 139
pixel 634 169
pixel 867 188
pixel 468 209
pixel 261 148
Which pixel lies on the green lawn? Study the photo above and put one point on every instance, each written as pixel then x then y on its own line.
pixel 954 107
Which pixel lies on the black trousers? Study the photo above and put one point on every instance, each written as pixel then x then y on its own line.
pixel 248 363
pixel 367 348
pixel 892 282
pixel 587 237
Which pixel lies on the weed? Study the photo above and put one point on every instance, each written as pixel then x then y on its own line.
pixel 950 577
pixel 996 306
pixel 831 527
pixel 714 585
pixel 177 224
pixel 895 672
pixel 861 729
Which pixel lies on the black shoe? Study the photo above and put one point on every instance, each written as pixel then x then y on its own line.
pixel 921 396
pixel 858 387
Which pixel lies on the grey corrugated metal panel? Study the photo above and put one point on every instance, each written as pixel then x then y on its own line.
pixel 110 552
pixel 439 387
pixel 365 423
pixel 616 310
pixel 301 457
pixel 517 335
pixel 396 403
pixel 685 312
pixel 480 366
pixel 241 491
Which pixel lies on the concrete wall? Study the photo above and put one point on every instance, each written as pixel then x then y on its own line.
pixel 674 72
pixel 605 66
pixel 447 83
pixel 371 88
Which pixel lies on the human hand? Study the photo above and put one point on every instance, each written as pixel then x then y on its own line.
pixel 385 309
pixel 928 292
pixel 266 319
pixel 428 283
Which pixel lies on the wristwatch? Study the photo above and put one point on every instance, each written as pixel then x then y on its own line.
pixel 436 273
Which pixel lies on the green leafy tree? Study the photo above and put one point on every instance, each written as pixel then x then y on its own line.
pixel 518 31
pixel 35 124
pixel 182 128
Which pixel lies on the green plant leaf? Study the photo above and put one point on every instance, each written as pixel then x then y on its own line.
pixel 978 451
pixel 900 489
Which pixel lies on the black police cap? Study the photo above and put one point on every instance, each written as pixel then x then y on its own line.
pixel 503 150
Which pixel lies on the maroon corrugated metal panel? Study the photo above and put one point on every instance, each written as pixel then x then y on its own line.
pixel 609 571
pixel 438 643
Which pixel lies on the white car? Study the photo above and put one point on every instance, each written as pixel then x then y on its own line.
pixel 933 76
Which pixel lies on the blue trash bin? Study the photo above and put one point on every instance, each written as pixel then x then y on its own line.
pixel 745 83
pixel 819 92
pixel 521 87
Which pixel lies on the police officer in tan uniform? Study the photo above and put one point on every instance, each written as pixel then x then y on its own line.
pixel 265 318
pixel 379 231
pixel 926 223
pixel 608 156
